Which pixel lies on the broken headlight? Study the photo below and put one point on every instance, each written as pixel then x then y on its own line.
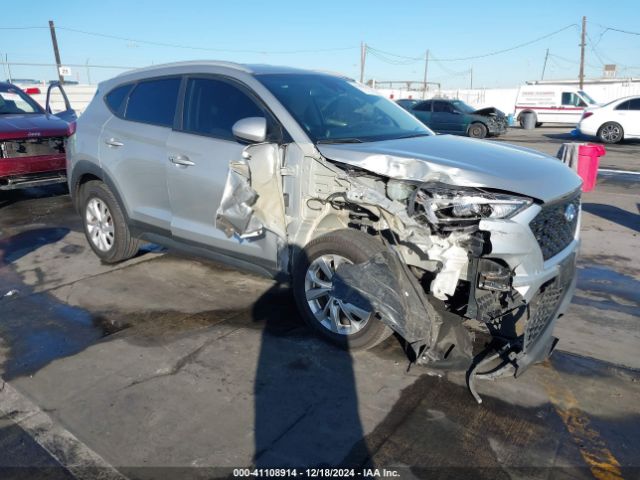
pixel 444 204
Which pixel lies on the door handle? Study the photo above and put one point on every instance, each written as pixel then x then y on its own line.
pixel 181 160
pixel 112 142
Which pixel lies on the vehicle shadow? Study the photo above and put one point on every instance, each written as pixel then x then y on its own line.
pixel 306 403
pixel 9 197
pixel 614 214
pixel 17 246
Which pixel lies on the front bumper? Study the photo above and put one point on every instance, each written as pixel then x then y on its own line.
pixel 497 128
pixel 24 172
pixel 521 318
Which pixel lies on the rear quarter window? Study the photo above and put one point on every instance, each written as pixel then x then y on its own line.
pixel 115 99
pixel 153 101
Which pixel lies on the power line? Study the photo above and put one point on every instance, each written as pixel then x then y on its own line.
pixel 619 30
pixel 484 55
pixel 23 28
pixel 204 49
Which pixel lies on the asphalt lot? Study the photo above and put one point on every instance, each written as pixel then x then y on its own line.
pixel 172 367
pixel 549 138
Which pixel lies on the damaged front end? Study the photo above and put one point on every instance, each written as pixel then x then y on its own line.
pixel 462 261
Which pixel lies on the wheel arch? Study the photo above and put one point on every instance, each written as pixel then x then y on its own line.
pixel 85 171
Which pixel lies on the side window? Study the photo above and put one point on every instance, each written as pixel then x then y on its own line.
pixel 211 107
pixel 115 99
pixel 572 100
pixel 423 107
pixel 154 101
pixel 624 105
pixel 634 104
pixel 442 107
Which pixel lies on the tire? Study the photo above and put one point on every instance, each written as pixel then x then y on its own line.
pixel 611 132
pixel 355 247
pixel 477 130
pixel 101 213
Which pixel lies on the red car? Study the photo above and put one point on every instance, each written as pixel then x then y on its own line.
pixel 32 139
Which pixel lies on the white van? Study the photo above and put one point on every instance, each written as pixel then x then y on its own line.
pixel 552 103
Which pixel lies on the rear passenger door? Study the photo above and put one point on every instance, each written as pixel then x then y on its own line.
pixel 628 115
pixel 422 111
pixel 202 147
pixel 133 147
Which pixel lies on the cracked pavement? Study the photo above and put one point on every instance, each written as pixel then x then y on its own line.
pixel 172 367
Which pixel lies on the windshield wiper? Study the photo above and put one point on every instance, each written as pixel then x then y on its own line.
pixel 340 140
pixel 413 135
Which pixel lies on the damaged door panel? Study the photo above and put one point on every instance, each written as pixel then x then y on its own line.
pixel 253 199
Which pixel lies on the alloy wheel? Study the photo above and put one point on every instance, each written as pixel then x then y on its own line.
pixel 332 313
pixel 99 224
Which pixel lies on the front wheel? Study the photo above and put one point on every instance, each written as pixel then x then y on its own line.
pixel 610 132
pixel 105 225
pixel 341 323
pixel 477 130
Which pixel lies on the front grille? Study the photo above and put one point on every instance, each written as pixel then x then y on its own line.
pixel 552 229
pixel 543 306
pixel 32 147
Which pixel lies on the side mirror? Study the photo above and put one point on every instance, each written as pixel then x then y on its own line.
pixel 251 129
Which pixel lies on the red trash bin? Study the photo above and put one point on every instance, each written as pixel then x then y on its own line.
pixel 588 160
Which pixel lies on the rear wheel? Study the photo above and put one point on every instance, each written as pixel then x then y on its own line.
pixel 342 323
pixel 610 132
pixel 477 130
pixel 105 225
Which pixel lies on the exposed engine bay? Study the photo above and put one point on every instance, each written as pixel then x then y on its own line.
pixel 441 279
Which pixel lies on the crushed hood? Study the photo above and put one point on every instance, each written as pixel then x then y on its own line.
pixel 460 161
pixel 489 111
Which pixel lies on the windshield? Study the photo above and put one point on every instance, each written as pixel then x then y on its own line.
pixel 463 107
pixel 13 100
pixel 586 97
pixel 334 110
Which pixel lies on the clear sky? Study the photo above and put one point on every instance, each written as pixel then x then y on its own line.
pixel 327 34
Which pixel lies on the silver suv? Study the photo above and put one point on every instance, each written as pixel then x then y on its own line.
pixel 380 225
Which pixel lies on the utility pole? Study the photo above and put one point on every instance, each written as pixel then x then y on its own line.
pixel 363 59
pixel 582 45
pixel 6 57
pixel 426 69
pixel 471 78
pixel 88 73
pixel 56 52
pixel 544 65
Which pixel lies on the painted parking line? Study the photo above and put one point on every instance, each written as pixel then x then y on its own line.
pixel 615 172
pixel 82 462
pixel 602 463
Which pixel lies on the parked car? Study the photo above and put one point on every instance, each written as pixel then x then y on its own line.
pixel 32 139
pixel 407 103
pixel 456 117
pixel 380 225
pixel 552 104
pixel 613 122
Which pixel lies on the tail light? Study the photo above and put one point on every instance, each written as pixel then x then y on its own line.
pixel 586 115
pixel 71 129
pixel 32 91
